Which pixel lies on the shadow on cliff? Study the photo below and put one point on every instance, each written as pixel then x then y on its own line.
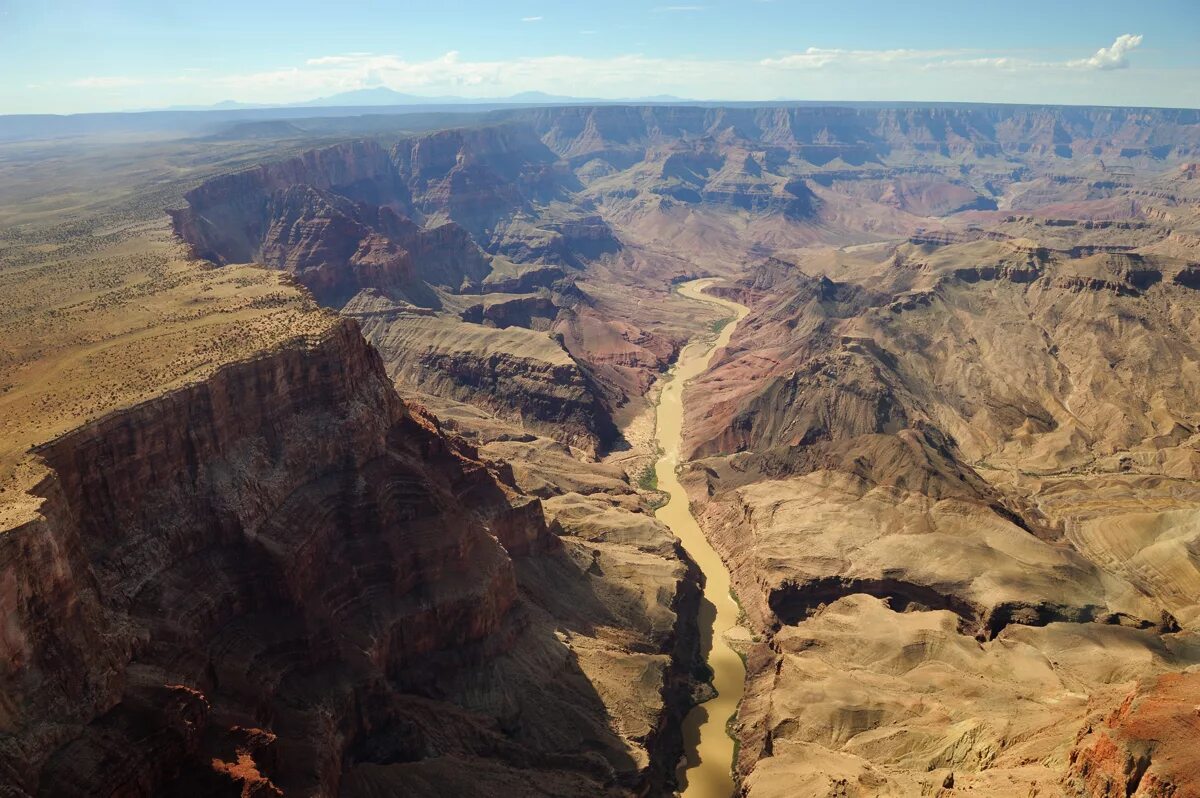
pixel 537 711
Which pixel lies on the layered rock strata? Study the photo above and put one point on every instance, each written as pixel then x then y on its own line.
pixel 285 579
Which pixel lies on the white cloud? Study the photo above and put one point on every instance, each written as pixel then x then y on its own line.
pixel 814 73
pixel 997 63
pixel 1106 58
pixel 106 82
pixel 660 9
pixel 347 58
pixel 532 19
pixel 819 57
pixel 1113 57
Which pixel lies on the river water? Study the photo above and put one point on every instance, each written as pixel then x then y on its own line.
pixel 708 747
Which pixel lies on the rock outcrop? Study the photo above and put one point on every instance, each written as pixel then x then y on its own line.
pixel 192 540
pixel 515 373
pixel 930 429
pixel 1145 746
pixel 481 177
pixel 286 579
pixel 336 247
pixel 226 219
pixel 342 234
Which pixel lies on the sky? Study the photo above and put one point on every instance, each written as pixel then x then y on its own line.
pixel 71 56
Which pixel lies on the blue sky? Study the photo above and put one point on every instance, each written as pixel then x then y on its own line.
pixel 63 56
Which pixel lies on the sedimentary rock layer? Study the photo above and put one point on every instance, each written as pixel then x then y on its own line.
pixel 285 578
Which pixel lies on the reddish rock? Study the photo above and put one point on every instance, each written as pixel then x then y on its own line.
pixel 285 543
pixel 1148 746
pixel 335 247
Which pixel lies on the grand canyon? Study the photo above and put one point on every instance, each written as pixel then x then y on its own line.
pixel 604 450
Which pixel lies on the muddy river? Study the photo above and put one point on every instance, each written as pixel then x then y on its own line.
pixel 709 748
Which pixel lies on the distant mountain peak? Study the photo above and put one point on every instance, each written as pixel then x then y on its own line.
pixel 376 95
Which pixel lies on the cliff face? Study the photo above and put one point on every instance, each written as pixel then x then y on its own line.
pixel 515 373
pixel 481 177
pixel 478 178
pixel 830 173
pixel 334 246
pixel 856 357
pixel 341 220
pixel 256 582
pixel 858 135
pixel 225 220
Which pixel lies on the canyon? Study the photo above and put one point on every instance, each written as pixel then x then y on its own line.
pixel 342 467
pixel 707 742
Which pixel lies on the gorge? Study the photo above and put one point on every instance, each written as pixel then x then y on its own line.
pixel 708 747
pixel 343 477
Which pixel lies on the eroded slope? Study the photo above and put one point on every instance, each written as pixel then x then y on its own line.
pixel 995 443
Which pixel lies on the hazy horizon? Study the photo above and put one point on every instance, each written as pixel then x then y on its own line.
pixel 73 57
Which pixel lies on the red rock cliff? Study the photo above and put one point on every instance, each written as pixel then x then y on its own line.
pixel 283 546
